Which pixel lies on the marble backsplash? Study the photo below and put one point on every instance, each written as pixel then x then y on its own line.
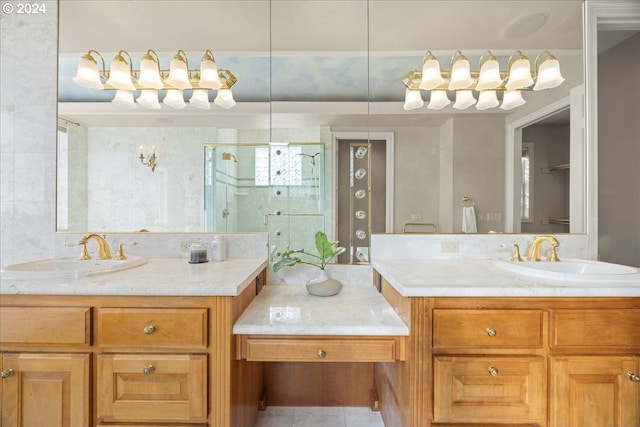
pixel 468 246
pixel 166 245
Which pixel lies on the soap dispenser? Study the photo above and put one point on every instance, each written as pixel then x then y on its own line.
pixel 218 248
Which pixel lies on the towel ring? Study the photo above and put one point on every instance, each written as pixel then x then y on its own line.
pixel 467 202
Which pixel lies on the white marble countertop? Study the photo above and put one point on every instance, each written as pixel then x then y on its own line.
pixel 481 278
pixel 159 277
pixel 290 310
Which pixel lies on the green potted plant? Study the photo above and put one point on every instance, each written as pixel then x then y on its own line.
pixel 326 252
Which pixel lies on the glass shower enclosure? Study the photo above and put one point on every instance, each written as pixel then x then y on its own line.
pixel 278 188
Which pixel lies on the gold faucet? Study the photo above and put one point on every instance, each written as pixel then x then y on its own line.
pixel 103 247
pixel 533 254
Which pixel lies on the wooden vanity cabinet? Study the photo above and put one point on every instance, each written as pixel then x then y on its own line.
pixel 514 362
pixel 135 384
pixel 45 366
pixel 487 365
pixel 125 361
pixel 595 366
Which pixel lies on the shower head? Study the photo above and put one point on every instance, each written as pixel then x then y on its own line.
pixel 229 156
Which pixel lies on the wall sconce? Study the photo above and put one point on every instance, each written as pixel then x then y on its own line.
pixel 486 83
pixel 151 160
pixel 150 78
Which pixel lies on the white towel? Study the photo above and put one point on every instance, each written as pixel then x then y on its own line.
pixel 469 220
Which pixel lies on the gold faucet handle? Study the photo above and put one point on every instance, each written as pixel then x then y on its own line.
pixel 516 253
pixel 85 253
pixel 553 255
pixel 120 255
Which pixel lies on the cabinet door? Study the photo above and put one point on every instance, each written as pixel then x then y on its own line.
pixel 45 390
pixel 594 392
pixel 491 389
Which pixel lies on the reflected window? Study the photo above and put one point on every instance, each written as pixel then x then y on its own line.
pixel 278 165
pixel 62 214
pixel 526 189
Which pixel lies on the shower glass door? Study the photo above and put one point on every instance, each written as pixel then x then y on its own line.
pixel 278 188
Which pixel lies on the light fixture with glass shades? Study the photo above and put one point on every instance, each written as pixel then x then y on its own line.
pixel 150 78
pixel 488 82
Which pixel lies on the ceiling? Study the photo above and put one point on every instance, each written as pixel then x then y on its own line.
pixel 328 57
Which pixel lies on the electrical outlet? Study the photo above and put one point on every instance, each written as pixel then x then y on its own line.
pixel 450 246
pixel 185 244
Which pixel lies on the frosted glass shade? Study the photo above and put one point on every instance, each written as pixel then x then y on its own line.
pixel 87 74
pixel 487 99
pixel 431 75
pixel 548 75
pixel 412 100
pixel 519 74
pixel 464 99
pixel 178 74
pixel 174 99
pixel 200 99
pixel 460 74
pixel 124 99
pixel 438 100
pixel 224 99
pixel 209 77
pixel 149 99
pixel 149 73
pixel 489 75
pixel 512 99
pixel 120 74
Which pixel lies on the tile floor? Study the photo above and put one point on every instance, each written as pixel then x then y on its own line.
pixel 290 416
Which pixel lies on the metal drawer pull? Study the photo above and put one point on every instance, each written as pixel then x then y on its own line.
pixel 633 377
pixel 321 354
pixel 148 330
pixel 492 332
pixel 148 369
pixel 6 373
pixel 493 371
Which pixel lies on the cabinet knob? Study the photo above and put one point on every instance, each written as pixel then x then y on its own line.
pixel 149 329
pixel 492 332
pixel 148 369
pixel 7 373
pixel 493 371
pixel 632 376
pixel 321 354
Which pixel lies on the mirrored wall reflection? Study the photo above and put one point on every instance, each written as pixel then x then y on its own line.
pixel 274 187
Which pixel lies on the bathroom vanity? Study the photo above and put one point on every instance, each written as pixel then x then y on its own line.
pixel 443 342
pixel 152 344
pixel 492 346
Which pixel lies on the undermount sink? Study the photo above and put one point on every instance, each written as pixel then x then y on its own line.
pixel 68 268
pixel 573 270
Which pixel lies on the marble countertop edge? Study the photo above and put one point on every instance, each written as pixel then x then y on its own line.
pixel 480 278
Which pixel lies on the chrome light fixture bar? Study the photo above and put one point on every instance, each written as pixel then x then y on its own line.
pixel 150 78
pixel 487 82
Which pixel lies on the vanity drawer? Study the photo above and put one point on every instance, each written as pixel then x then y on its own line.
pixel 296 349
pixel 45 325
pixel 151 327
pixel 491 389
pixel 487 328
pixel 595 328
pixel 152 387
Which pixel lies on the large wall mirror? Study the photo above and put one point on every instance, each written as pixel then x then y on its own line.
pixel 316 81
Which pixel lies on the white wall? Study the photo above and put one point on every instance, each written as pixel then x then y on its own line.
pixel 619 154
